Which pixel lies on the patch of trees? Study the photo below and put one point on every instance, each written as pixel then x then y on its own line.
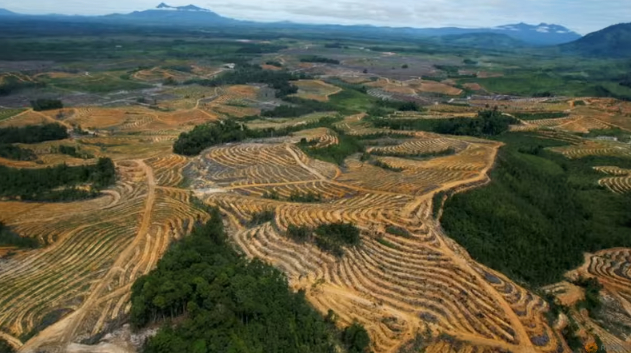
pixel 541 115
pixel 262 217
pixel 56 183
pixel 399 105
pixel 398 231
pixel 12 85
pixel 206 135
pixel 488 123
pixel 420 155
pixel 203 136
pixel 386 166
pixel 356 339
pixel 46 104
pixel 9 238
pixel 5 347
pixel 225 302
pixel 319 59
pixel 33 133
pixel 246 73
pixel 540 213
pixel 73 151
pixel 346 146
pixel 304 197
pixel 274 63
pixel 16 153
pixel 331 238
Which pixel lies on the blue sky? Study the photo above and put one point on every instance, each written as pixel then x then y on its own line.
pixel 582 16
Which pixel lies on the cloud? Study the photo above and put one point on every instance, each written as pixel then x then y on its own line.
pixel 582 16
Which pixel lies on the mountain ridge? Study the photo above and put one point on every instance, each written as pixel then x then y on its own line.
pixel 542 34
pixel 612 41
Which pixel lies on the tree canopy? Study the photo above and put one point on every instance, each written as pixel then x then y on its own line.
pixel 230 304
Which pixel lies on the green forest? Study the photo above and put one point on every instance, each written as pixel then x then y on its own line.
pixel 540 213
pixel 33 133
pixel 56 183
pixel 9 238
pixel 211 299
pixel 488 123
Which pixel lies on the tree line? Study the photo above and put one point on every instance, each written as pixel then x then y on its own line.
pixel 487 123
pixel 540 213
pixel 46 104
pixel 33 133
pixel 56 183
pixel 331 238
pixel 9 238
pixel 215 133
pixel 224 302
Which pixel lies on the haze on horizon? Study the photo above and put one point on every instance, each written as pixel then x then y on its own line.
pixel 582 16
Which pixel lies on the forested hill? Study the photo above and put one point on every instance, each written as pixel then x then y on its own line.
pixel 227 303
pixel 613 41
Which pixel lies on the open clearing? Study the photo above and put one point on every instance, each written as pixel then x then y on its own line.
pixel 406 279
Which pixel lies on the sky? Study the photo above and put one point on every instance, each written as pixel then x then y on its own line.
pixel 582 16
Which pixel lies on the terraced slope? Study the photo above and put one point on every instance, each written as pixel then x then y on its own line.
pixel 398 286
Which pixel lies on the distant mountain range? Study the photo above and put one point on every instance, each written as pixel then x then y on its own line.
pixel 194 16
pixel 613 41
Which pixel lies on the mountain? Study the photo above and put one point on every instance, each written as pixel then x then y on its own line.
pixel 164 6
pixel 542 34
pixel 4 12
pixel 613 41
pixel 194 16
pixel 165 15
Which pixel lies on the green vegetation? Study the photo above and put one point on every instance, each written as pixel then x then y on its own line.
pixel 46 104
pixel 5 347
pixel 398 231
pixel 73 152
pixel 262 217
pixel 274 63
pixel 225 302
pixel 621 135
pixel 308 197
pixel 33 133
pixel 592 294
pixel 540 213
pixel 7 113
pixel 541 115
pixel 386 166
pixel 56 183
pixel 421 155
pixel 337 153
pixel 488 123
pixel 272 195
pixel 328 237
pixel 8 238
pixel 203 136
pixel 246 73
pixel 12 85
pixel 319 59
pixel 355 338
pixel 16 153
pixel 437 203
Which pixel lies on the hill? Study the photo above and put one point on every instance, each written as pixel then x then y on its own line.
pixel 613 41
pixel 4 12
pixel 164 14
